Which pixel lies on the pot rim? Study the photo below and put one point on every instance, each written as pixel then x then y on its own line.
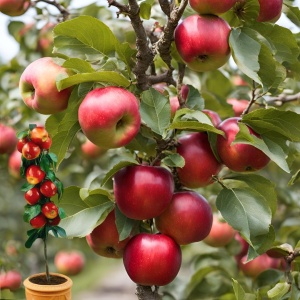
pixel 56 287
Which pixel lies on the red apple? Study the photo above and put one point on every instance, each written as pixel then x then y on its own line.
pixel 21 143
pixel 45 39
pixel 202 42
pixel 239 81
pixel 69 262
pixel 187 219
pixel 34 174
pixel 50 210
pixel 239 157
pixel 213 7
pixel 104 239
pixel 244 246
pixel 8 139
pixel 38 86
pixel 14 7
pixel 55 221
pixel 221 233
pixel 47 143
pixel 200 162
pixel 14 164
pixel 38 135
pixel 91 151
pixel 269 11
pixel 256 266
pixel 10 280
pixel 31 151
pixel 214 117
pixel 48 188
pixel 238 106
pixel 109 117
pixel 143 192
pixel 32 196
pixel 152 259
pixel 39 221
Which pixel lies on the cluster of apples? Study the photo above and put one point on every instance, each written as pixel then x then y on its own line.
pixel 202 40
pixel 33 145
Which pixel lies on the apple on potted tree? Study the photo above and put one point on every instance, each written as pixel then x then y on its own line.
pixel 38 165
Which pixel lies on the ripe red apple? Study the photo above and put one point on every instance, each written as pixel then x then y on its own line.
pixel 152 259
pixel 202 42
pixel 39 221
pixel 143 192
pixel 21 143
pixel 104 239
pixel 8 139
pixel 238 106
pixel 187 219
pixel 109 117
pixel 269 11
pixel 50 210
pixel 213 7
pixel 243 247
pixel 47 143
pixel 91 151
pixel 34 174
pixel 10 280
pixel 55 221
pixel 14 7
pixel 38 86
pixel 38 135
pixel 200 162
pixel 31 151
pixel 239 157
pixel 221 233
pixel 69 262
pixel 239 81
pixel 48 188
pixel 14 164
pixel 32 196
pixel 256 266
pixel 214 117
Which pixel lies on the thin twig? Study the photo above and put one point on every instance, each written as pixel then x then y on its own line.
pixel 65 13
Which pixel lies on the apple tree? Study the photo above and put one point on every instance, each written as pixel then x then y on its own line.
pixel 191 111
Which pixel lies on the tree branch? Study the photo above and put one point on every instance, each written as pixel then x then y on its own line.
pixel 146 293
pixel 283 98
pixel 65 13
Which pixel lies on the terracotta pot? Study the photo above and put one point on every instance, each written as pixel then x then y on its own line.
pixel 35 291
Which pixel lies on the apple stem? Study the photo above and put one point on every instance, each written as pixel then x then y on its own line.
pixel 147 293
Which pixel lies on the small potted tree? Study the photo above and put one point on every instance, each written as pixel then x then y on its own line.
pixel 41 212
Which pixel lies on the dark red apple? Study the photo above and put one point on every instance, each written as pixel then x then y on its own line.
pixel 39 221
pixel 269 11
pixel 187 219
pixel 143 192
pixel 104 239
pixel 239 157
pixel 48 188
pixel 33 196
pixel 202 42
pixel 152 259
pixel 31 151
pixel 221 233
pixel 69 262
pixel 200 162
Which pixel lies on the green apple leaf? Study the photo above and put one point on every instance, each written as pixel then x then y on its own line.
pixel 83 222
pixel 94 197
pixel 116 168
pixel 194 126
pixel 279 290
pixel 238 290
pixel 255 59
pixel 31 211
pixel 83 37
pixel 63 132
pixel 270 148
pixel 246 211
pixel 145 9
pixel 155 111
pixel 125 225
pixel 194 99
pixel 105 77
pixel 293 13
pixel 173 160
pixel 272 121
pixel 78 65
